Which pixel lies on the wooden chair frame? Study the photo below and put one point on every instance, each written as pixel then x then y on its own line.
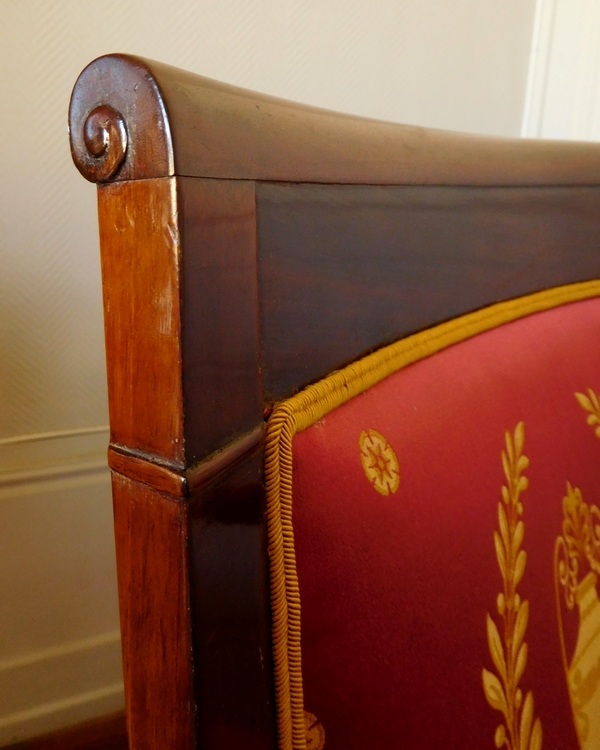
pixel 250 246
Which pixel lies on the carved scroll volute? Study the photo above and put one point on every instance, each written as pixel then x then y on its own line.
pixel 117 122
pixel 105 137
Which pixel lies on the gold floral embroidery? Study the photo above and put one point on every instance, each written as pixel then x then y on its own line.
pixel 578 549
pixel 519 731
pixel 576 569
pixel 315 733
pixel 591 404
pixel 307 407
pixel 379 462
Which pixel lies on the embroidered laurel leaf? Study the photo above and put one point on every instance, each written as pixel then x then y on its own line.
pixel 500 735
pixel 519 438
pixel 570 500
pixel 493 691
pixel 526 721
pixel 520 626
pixel 521 662
pixel 584 402
pixel 592 419
pixel 520 563
pixel 506 466
pixel 509 446
pixel 536 736
pixel 517 538
pixel 594 399
pixel 496 649
pixel 502 690
pixel 516 602
pixel 500 554
pixel 503 524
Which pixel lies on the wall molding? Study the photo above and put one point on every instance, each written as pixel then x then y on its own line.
pixel 69 683
pixel 61 713
pixel 563 88
pixel 56 652
pixel 53 455
pixel 53 434
pixel 47 687
pixel 541 45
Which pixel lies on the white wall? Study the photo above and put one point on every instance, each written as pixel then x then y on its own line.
pixel 563 94
pixel 459 65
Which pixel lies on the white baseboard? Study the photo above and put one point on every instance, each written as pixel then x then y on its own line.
pixel 60 653
pixel 69 684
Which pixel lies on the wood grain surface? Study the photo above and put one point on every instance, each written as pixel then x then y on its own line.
pixel 151 532
pixel 220 336
pixel 230 595
pixel 346 269
pixel 141 246
pixel 217 130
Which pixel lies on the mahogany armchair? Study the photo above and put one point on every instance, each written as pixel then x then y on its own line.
pixel 395 327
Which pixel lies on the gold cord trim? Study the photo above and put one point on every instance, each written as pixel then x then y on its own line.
pixel 306 408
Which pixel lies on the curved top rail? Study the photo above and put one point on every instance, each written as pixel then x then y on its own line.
pixel 132 118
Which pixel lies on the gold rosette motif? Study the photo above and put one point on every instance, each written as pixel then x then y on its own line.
pixel 379 462
pixel 315 733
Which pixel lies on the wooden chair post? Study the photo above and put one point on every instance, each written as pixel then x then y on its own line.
pixel 180 300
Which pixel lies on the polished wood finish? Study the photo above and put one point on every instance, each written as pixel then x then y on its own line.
pixel 118 123
pixel 347 269
pixel 216 130
pixel 224 459
pixel 230 592
pixel 229 283
pixel 220 313
pixel 151 532
pixel 141 281
pixel 145 469
pixel 148 278
pixel 181 307
pixel 105 733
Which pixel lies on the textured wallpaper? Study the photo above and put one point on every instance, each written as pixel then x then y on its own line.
pixel 459 65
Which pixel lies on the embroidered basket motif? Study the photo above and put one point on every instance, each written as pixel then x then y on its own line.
pixel 576 569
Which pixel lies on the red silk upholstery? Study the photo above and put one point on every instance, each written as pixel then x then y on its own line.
pixel 396 588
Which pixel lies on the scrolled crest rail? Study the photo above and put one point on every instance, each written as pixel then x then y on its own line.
pixel 117 122
pixel 179 123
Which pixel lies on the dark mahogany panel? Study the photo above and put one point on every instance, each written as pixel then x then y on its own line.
pixel 220 337
pixel 346 269
pixel 230 610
